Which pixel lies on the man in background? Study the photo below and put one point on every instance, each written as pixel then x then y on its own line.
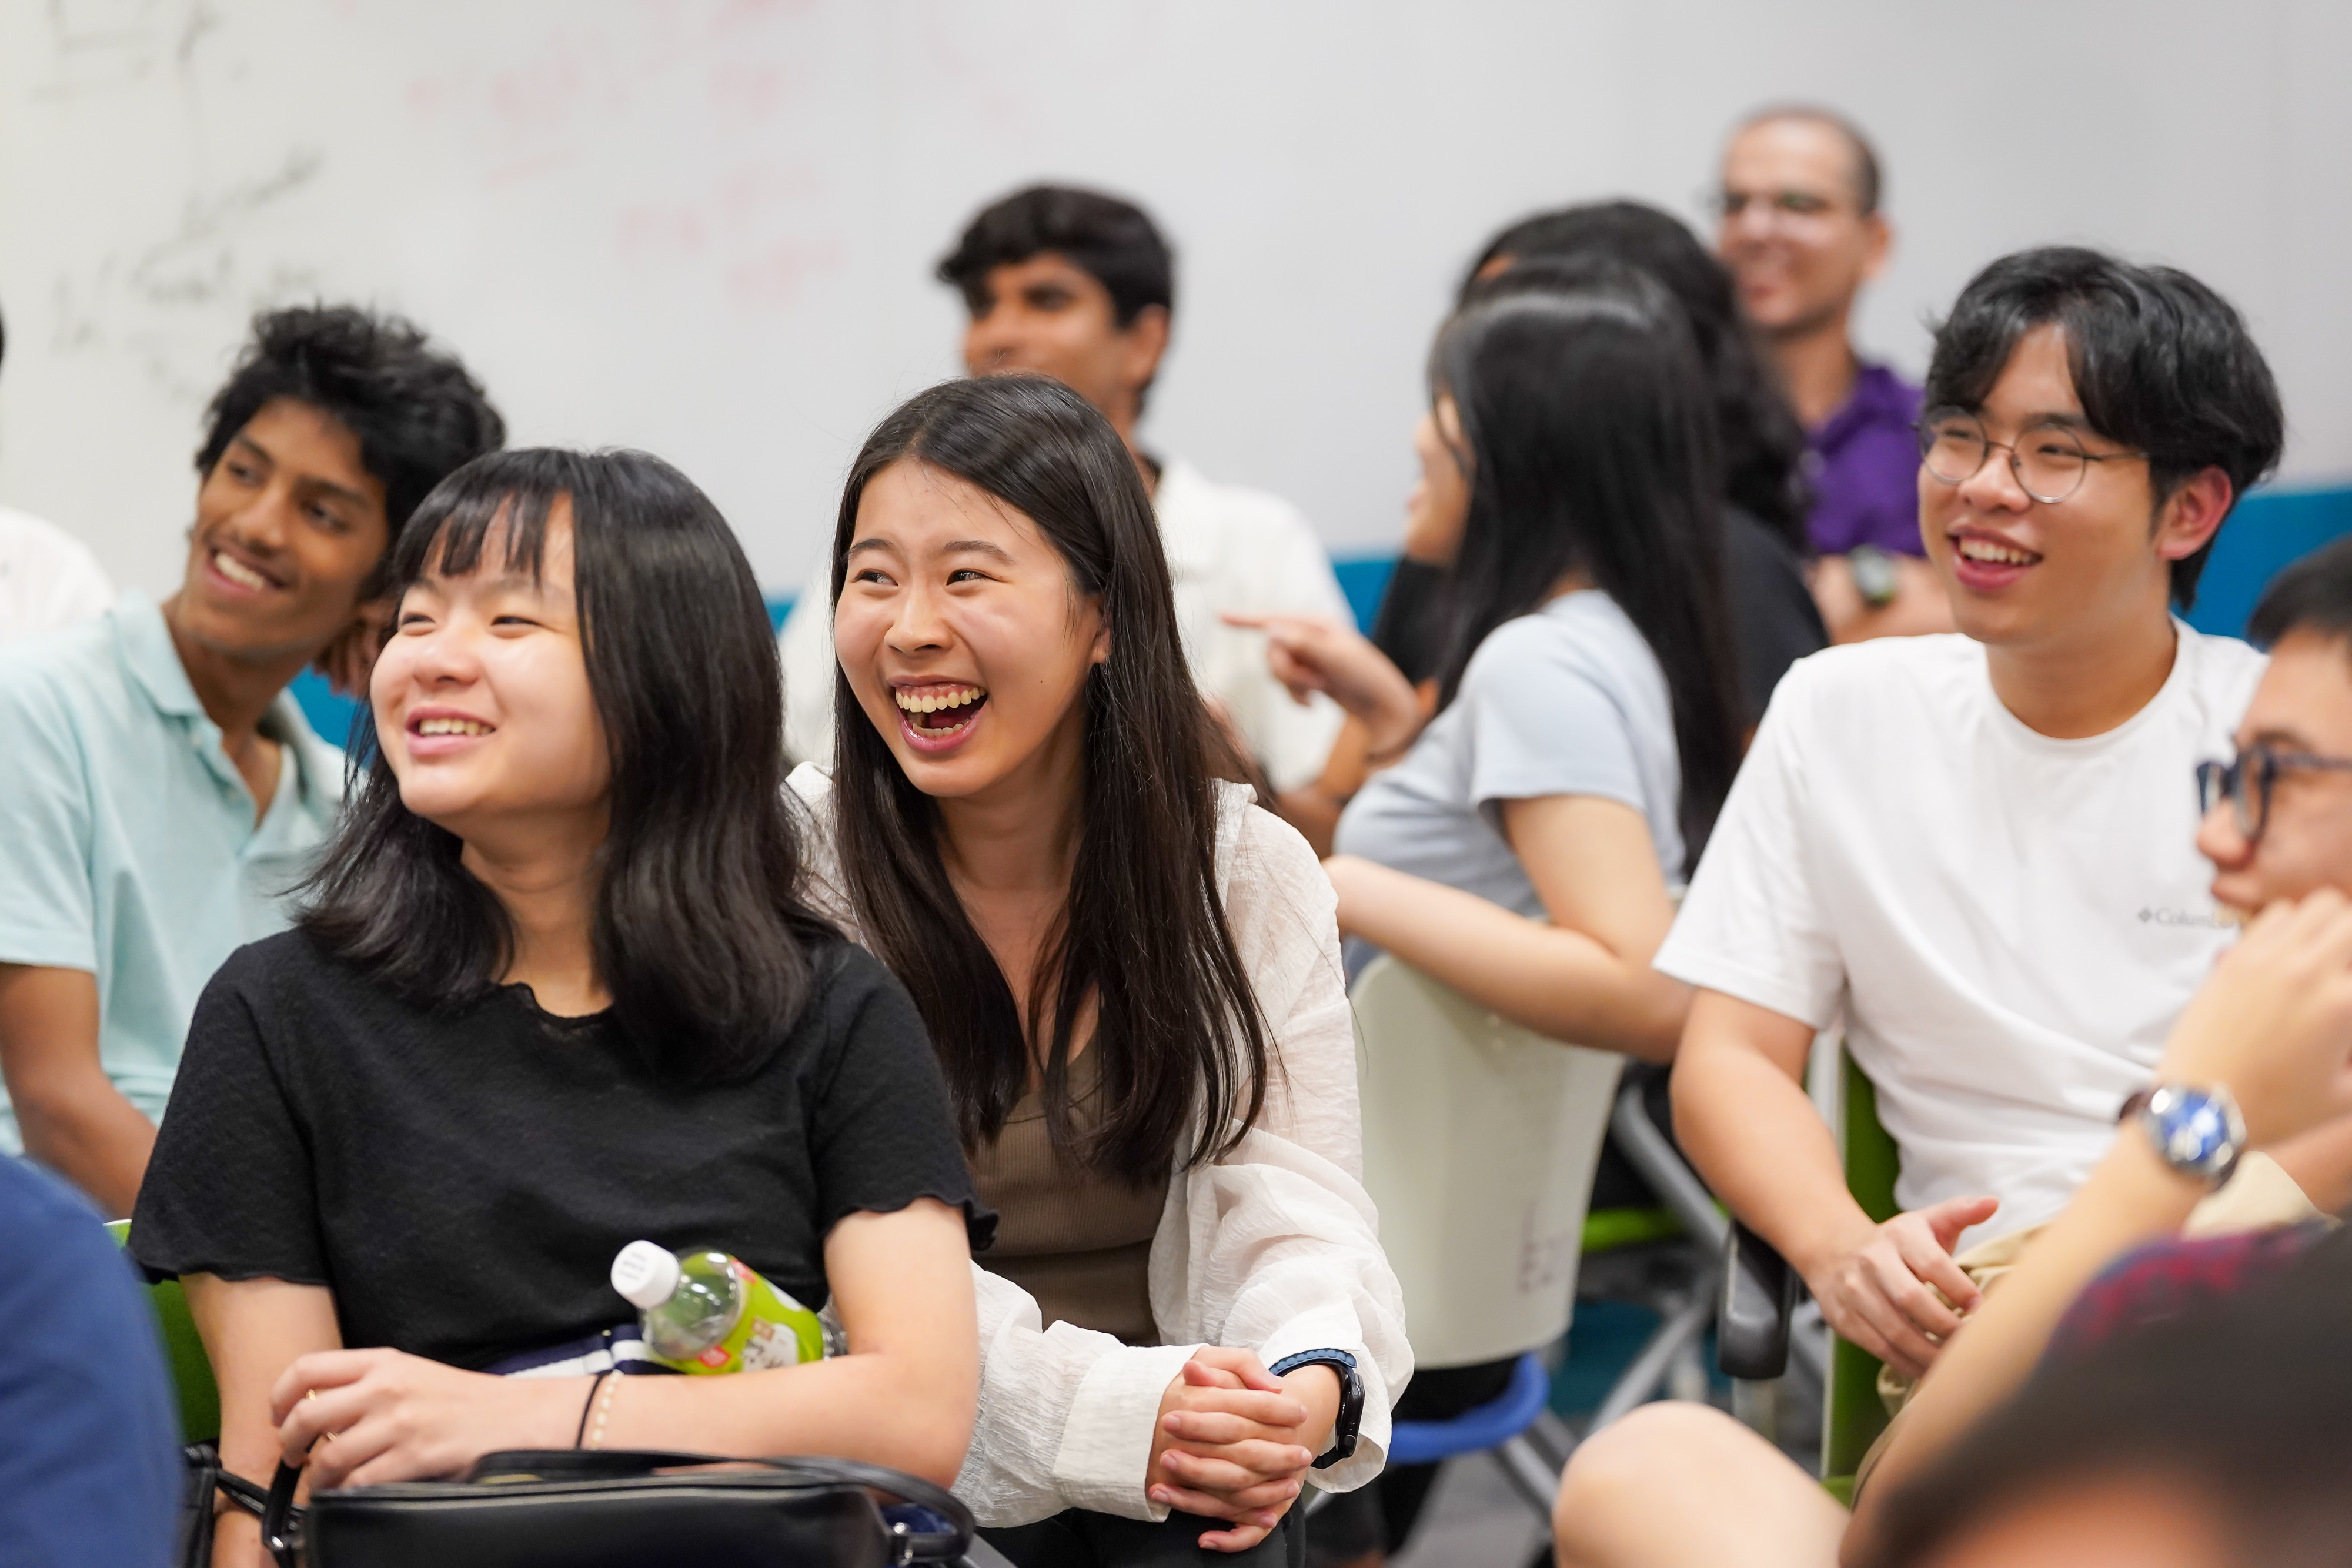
pixel 1802 231
pixel 48 577
pixel 160 790
pixel 1081 287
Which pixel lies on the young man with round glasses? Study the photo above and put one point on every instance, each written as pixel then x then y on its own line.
pixel 1975 853
pixel 1679 1484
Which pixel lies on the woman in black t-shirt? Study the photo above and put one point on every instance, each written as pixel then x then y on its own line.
pixel 555 990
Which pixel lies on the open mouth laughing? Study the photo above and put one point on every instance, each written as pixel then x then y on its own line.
pixel 938 712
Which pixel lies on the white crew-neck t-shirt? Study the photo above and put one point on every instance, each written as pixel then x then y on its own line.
pixel 2012 921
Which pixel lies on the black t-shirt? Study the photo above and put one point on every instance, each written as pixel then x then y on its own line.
pixel 1774 620
pixel 1415 619
pixel 462 1178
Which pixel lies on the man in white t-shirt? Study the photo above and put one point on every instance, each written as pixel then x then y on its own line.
pixel 1080 286
pixel 49 578
pixel 1979 850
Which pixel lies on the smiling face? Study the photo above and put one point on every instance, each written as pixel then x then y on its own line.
pixel 289 526
pixel 482 702
pixel 1793 232
pixel 2022 573
pixel 1050 316
pixel 2303 706
pixel 962 636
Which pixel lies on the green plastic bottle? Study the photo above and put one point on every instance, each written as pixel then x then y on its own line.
pixel 706 1311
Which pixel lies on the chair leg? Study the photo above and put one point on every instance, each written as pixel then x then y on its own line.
pixel 1536 1480
pixel 1682 1328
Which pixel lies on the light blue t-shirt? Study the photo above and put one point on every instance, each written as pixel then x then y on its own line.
pixel 128 846
pixel 1566 701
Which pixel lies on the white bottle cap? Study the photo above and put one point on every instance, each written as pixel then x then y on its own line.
pixel 646 1273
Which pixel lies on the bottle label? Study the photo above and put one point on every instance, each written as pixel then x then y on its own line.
pixel 773 1330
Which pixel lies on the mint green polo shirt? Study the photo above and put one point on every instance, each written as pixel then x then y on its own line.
pixel 128 845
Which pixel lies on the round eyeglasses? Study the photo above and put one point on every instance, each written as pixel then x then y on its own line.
pixel 2048 460
pixel 2246 783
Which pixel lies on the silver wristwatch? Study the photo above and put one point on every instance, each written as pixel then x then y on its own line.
pixel 2197 1131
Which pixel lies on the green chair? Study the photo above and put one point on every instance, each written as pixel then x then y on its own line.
pixel 1760 1292
pixel 191 1370
pixel 1853 1415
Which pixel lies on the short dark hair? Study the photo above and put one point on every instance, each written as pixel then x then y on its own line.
pixel 1113 242
pixel 2314 593
pixel 2244 1403
pixel 1869 180
pixel 418 415
pixel 702 934
pixel 2160 362
pixel 1763 445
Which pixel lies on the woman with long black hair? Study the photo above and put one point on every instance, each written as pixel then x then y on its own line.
pixel 1527 845
pixel 1131 977
pixel 557 988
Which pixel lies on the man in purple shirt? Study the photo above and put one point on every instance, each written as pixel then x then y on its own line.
pixel 1802 231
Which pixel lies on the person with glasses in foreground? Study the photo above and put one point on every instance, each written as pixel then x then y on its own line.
pixel 1800 224
pixel 2258 1059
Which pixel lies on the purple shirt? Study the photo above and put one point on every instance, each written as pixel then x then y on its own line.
pixel 1864 464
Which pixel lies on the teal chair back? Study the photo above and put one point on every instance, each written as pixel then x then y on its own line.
pixel 184 1352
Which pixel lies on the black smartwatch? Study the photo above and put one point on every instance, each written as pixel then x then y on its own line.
pixel 1875 579
pixel 1350 1420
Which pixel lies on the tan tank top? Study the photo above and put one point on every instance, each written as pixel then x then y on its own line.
pixel 1077 1240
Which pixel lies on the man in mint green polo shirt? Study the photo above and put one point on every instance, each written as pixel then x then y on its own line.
pixel 160 793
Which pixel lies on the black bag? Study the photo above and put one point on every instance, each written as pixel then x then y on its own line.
pixel 569 1508
pixel 198 1518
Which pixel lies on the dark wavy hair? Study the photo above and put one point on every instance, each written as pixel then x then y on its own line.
pixel 1180 1039
pixel 702 934
pixel 419 415
pixel 2160 362
pixel 1762 441
pixel 1591 449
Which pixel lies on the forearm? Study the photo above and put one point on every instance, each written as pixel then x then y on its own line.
pixel 82 1127
pixel 1919 605
pixel 2132 1198
pixel 912 1413
pixel 2320 1162
pixel 72 1117
pixel 1749 1129
pixel 1558 982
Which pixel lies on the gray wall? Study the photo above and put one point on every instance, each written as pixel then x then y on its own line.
pixel 706 226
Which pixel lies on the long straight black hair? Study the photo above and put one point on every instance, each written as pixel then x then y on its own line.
pixel 1591 448
pixel 1181 1043
pixel 702 935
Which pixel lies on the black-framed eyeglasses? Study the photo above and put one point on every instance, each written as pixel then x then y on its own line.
pixel 2246 783
pixel 2048 460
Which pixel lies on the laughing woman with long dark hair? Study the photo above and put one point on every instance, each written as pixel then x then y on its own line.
pixel 557 989
pixel 1131 976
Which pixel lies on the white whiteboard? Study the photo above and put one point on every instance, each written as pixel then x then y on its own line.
pixel 706 226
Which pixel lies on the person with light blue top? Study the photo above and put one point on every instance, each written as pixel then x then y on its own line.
pixel 160 790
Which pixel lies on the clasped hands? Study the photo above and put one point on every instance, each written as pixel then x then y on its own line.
pixel 2273 1026
pixel 1235 1442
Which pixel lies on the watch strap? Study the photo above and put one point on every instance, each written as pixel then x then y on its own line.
pixel 1349 1423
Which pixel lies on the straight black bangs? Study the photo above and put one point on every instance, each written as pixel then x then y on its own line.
pixel 454 527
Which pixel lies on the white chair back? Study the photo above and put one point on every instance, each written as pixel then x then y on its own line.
pixel 1480 1139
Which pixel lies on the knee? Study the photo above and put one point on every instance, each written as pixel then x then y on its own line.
pixel 1622 1475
